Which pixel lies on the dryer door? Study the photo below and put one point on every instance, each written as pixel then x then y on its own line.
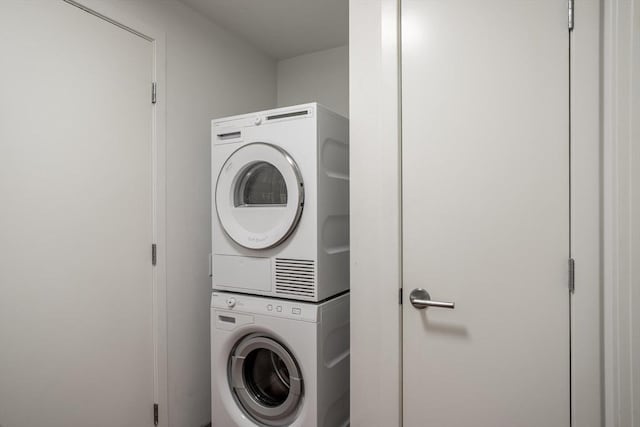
pixel 259 196
pixel 266 380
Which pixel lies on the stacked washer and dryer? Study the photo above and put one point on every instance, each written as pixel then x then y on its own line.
pixel 280 304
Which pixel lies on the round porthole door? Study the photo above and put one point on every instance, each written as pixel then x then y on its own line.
pixel 259 196
pixel 265 380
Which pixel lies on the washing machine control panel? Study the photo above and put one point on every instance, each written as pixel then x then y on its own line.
pixel 265 306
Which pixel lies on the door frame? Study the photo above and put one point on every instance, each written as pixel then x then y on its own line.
pixel 114 15
pixel 586 217
pixel 621 99
pixel 376 258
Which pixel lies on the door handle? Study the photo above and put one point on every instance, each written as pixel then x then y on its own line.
pixel 421 299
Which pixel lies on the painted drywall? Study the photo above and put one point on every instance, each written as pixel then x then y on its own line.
pixel 321 76
pixel 210 73
pixel 376 389
pixel 621 212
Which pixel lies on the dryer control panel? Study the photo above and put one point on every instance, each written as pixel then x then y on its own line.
pixel 249 304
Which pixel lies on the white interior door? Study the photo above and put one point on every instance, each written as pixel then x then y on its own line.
pixel 76 332
pixel 486 212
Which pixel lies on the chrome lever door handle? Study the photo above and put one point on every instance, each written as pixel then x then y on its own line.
pixel 421 299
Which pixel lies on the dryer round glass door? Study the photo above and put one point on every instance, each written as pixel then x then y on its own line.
pixel 265 380
pixel 259 196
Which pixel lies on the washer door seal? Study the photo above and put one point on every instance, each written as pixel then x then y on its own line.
pixel 259 196
pixel 265 380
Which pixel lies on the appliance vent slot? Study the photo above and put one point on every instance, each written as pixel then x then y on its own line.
pixel 296 277
pixel 229 135
pixel 227 319
pixel 286 115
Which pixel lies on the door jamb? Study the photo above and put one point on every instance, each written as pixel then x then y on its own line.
pixel 620 167
pixel 586 202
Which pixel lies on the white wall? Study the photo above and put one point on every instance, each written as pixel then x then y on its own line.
pixel 376 389
pixel 316 77
pixel 210 74
pixel 622 212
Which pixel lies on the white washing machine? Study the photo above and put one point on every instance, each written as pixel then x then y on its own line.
pixel 280 183
pixel 279 362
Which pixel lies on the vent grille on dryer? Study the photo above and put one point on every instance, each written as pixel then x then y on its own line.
pixel 289 115
pixel 295 277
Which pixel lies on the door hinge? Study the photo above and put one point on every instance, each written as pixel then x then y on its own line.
pixel 154 92
pixel 154 254
pixel 572 275
pixel 570 5
pixel 400 296
pixel 155 414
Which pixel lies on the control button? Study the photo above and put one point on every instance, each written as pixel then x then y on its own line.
pixel 258 120
pixel 295 310
pixel 270 307
pixel 231 302
pixel 279 309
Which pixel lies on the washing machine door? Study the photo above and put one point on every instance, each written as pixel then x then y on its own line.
pixel 259 196
pixel 265 380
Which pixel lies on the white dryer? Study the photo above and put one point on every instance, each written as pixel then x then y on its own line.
pixel 279 362
pixel 280 184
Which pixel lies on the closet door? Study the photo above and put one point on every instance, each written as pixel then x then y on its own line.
pixel 76 291
pixel 485 201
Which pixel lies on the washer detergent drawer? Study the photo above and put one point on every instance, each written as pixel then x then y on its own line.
pixel 242 272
